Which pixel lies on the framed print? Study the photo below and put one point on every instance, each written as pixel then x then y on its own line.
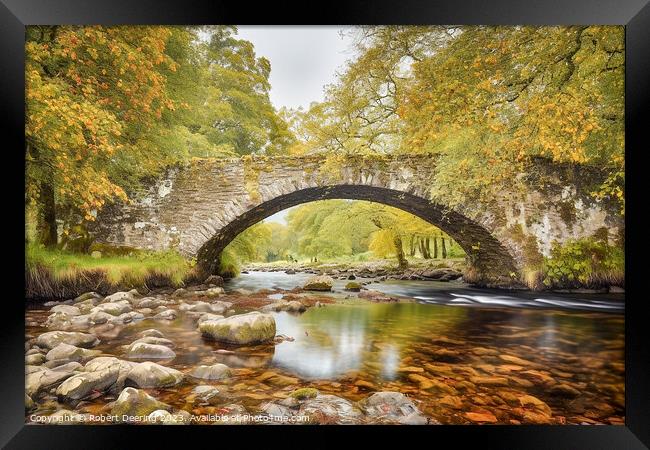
pixel 379 218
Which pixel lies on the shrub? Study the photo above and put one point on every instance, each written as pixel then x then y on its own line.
pixel 589 263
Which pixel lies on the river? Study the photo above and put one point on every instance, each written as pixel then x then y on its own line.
pixel 464 355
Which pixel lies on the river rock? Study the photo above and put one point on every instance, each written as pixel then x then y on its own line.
pixel 63 366
pixel 44 379
pixel 151 375
pixel 319 283
pixel 93 296
pixel 142 350
pixel 213 292
pixel 29 403
pixel 395 407
pixel 69 353
pixel 102 363
pixel 209 316
pixel 241 329
pixel 35 360
pixel 99 317
pixel 214 279
pixel 148 302
pixel 118 296
pixel 134 402
pixel 326 409
pixel 51 339
pixel 152 332
pixel 155 340
pixel 213 372
pixel 204 393
pixel 353 286
pixel 167 314
pixel 81 385
pixel 375 296
pixel 113 308
pixel 128 317
pixel 66 309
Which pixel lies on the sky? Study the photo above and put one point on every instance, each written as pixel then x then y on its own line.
pixel 304 59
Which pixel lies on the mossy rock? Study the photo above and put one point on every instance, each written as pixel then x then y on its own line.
pixel 134 402
pixel 353 286
pixel 241 329
pixel 319 283
pixel 304 393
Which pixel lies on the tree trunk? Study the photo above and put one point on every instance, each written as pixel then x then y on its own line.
pixel 412 246
pixel 48 214
pixel 435 248
pixel 399 252
pixel 444 249
pixel 427 247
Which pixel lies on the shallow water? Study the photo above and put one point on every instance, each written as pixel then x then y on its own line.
pixel 443 293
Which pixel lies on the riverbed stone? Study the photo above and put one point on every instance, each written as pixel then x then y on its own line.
pixel 142 350
pixel 69 352
pixel 319 283
pixel 68 310
pixel 326 409
pixel 240 329
pixel 99 317
pixel 44 379
pixel 36 359
pixel 155 340
pixel 205 393
pixel 152 332
pixel 213 372
pixel 167 314
pixel 214 279
pixel 135 402
pixel 353 286
pixel 63 366
pixel 394 407
pixel 83 384
pixel 51 339
pixel 118 296
pixel 113 308
pixel 92 296
pixel 151 375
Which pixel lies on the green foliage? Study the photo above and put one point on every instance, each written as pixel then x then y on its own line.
pixel 107 107
pixel 584 262
pixel 134 269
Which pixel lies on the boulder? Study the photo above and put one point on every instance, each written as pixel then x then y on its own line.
pixel 69 352
pixel 151 375
pixel 51 339
pixel 44 379
pixel 319 283
pixel 134 402
pixel 35 360
pixel 209 316
pixel 142 350
pixel 81 385
pixel 109 362
pixel 240 329
pixel 213 372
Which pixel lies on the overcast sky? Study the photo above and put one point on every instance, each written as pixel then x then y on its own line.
pixel 303 59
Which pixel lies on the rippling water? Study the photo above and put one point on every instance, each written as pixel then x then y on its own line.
pixel 444 293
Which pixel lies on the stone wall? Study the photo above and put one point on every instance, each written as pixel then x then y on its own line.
pixel 198 209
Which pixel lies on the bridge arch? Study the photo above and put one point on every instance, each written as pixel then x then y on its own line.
pixel 486 252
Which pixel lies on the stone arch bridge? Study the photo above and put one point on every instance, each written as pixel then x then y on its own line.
pixel 200 207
